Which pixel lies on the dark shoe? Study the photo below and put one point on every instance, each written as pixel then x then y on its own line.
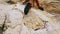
pixel 41 8
pixel 26 9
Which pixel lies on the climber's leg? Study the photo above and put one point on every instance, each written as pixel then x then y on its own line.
pixel 38 5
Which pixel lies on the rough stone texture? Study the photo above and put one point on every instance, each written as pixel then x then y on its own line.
pixel 11 17
pixel 53 7
pixel 51 26
pixel 33 21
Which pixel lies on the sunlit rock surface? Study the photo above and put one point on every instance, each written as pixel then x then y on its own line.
pixel 51 26
pixel 12 21
pixel 53 7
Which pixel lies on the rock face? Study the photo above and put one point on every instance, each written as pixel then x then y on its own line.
pixel 51 25
pixel 33 21
pixel 10 19
pixel 13 22
pixel 36 22
pixel 53 7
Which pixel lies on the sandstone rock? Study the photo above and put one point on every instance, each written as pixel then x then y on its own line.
pixel 33 21
pixel 10 19
pixel 53 7
pixel 48 23
pixel 51 26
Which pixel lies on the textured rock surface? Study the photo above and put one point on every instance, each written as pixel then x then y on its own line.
pixel 53 7
pixel 11 17
pixel 51 26
pixel 33 21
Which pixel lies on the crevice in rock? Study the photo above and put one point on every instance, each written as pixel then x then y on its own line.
pixel 10 2
pixel 3 26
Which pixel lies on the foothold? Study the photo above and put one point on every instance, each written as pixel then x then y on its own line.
pixel 36 29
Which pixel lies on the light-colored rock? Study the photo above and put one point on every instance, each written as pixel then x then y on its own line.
pixel 51 26
pixel 33 21
pixel 12 18
pixel 15 24
pixel 53 7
